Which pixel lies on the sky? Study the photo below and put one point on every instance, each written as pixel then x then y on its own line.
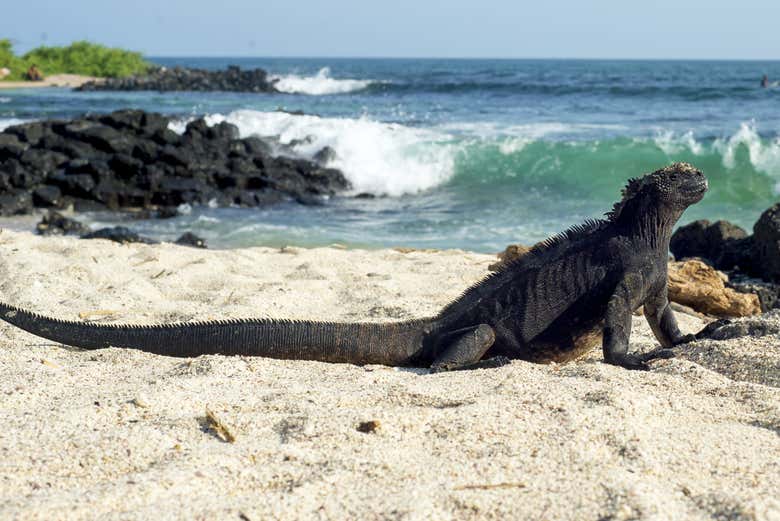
pixel 664 29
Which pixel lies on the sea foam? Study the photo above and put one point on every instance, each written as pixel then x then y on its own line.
pixel 377 158
pixel 393 159
pixel 763 154
pixel 9 122
pixel 319 84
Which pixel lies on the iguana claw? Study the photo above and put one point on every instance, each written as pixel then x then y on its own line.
pixel 658 354
pixel 710 328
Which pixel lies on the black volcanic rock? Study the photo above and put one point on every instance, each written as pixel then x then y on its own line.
pixel 54 223
pixel 190 239
pixel 119 234
pixel 163 79
pixel 766 241
pixel 725 245
pixel 130 159
pixel 729 248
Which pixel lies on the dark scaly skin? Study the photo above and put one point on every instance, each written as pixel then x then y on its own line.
pixel 553 304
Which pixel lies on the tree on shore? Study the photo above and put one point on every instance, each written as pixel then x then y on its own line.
pixel 82 57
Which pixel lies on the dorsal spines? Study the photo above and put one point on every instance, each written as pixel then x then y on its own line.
pixel 540 254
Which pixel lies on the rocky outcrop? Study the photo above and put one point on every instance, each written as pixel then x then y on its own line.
pixel 753 261
pixel 131 159
pixel 754 327
pixel 725 245
pixel 768 292
pixel 766 244
pixel 120 234
pixel 54 223
pixel 702 288
pixel 163 79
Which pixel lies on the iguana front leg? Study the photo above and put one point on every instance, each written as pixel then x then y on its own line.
pixel 617 325
pixel 660 316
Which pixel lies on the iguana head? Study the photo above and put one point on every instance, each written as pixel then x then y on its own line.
pixel 673 188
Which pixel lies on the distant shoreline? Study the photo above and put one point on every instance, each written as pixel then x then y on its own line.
pixel 69 81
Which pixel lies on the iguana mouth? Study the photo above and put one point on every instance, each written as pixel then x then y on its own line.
pixel 699 189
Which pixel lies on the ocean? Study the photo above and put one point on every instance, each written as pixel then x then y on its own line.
pixel 472 154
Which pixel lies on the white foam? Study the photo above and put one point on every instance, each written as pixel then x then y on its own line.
pixel 765 157
pixel 179 125
pixel 531 131
pixel 319 84
pixel 513 145
pixel 512 139
pixel 672 143
pixel 5 100
pixel 9 122
pixel 378 158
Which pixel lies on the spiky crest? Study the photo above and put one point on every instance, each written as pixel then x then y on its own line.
pixel 635 185
pixel 535 257
pixel 632 188
pixel 197 323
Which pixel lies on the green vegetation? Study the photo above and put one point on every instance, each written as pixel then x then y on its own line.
pixel 85 58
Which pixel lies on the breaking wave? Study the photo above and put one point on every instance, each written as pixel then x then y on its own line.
pixel 9 122
pixel 319 84
pixel 377 158
pixel 393 159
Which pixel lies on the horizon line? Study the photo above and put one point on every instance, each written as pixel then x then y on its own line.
pixel 496 58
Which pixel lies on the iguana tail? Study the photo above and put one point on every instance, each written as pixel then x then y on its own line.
pixel 396 344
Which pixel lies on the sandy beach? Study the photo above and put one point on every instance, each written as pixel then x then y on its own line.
pixel 119 434
pixel 70 81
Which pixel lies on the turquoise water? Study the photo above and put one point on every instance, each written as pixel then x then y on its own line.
pixel 473 154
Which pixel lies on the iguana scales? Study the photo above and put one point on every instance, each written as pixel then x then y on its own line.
pixel 554 303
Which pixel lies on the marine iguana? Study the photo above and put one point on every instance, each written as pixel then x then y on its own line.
pixel 554 303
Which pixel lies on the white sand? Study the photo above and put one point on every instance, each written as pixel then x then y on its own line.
pixel 119 434
pixel 69 81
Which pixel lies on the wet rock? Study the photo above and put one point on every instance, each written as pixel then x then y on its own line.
pixel 77 185
pixel 130 159
pixel 190 239
pixel 766 244
pixel 768 292
pixel 699 286
pixel 162 79
pixel 42 162
pixel 11 147
pixel 15 203
pixel 13 174
pixel 119 234
pixel 325 155
pixel 102 137
pixel 723 244
pixel 47 195
pixel 167 212
pixel 71 148
pixel 768 324
pixel 54 223
pixel 254 146
pixel 30 133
